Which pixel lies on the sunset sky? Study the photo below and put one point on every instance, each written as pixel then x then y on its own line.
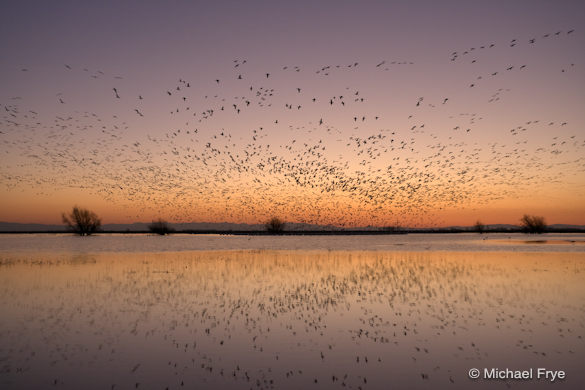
pixel 332 112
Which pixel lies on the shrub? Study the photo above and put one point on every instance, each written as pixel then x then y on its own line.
pixel 275 225
pixel 82 221
pixel 160 227
pixel 533 224
pixel 479 227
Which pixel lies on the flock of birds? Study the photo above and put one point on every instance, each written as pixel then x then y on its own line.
pixel 292 142
pixel 286 320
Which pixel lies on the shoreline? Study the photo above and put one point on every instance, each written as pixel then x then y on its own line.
pixel 309 232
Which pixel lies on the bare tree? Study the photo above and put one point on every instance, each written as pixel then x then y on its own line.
pixel 82 221
pixel 479 227
pixel 533 224
pixel 275 225
pixel 160 227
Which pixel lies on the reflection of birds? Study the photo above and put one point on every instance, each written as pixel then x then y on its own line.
pixel 295 296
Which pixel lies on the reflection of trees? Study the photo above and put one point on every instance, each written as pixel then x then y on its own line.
pixel 81 259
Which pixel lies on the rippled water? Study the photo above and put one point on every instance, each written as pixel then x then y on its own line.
pixel 287 319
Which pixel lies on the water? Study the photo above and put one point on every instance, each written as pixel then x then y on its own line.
pixel 349 312
pixel 471 242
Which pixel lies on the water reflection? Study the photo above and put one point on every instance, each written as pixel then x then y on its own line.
pixel 287 319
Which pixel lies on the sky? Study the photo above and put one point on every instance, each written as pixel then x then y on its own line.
pixel 347 113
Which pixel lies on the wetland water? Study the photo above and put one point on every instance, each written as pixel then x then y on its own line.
pixel 414 311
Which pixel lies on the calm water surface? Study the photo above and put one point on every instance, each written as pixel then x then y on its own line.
pixel 100 313
pixel 188 242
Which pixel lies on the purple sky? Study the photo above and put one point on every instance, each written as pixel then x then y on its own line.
pixel 489 152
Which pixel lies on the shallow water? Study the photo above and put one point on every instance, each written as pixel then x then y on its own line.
pixel 468 242
pixel 288 319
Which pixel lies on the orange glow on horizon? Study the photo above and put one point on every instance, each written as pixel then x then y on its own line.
pixel 445 125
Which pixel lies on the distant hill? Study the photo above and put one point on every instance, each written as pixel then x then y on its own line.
pixel 221 226
pixel 30 227
pixel 560 226
pixel 143 227
pixel 242 227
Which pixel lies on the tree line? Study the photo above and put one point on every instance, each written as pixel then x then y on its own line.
pixel 85 222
